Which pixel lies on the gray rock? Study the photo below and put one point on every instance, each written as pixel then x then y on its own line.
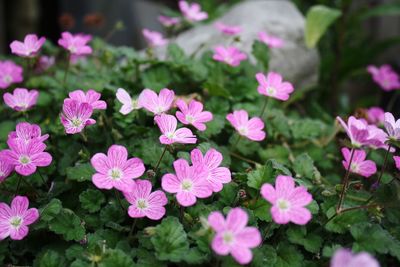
pixel 281 18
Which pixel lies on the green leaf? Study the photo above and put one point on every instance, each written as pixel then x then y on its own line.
pixel 81 172
pixel 258 177
pixel 115 258
pixel 91 200
pixel 264 256
pixel 50 259
pixel 299 236
pixel 170 240
pixel 261 209
pixel 175 53
pixel 288 256
pixel 156 77
pixel 343 222
pixel 307 129
pixel 68 224
pixel 389 9
pixel 51 210
pixel 261 52
pixel 5 128
pixel 228 194
pixel 304 166
pixel 215 89
pixel 318 19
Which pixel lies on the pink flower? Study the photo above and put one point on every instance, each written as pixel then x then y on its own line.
pixel 21 99
pixel 359 165
pixel 115 170
pixel 27 132
pixel 154 103
pixel 376 137
pixel 154 38
pixel 233 236
pixel 9 73
pixel 44 63
pixel 357 130
pixel 144 202
pixel 76 116
pixel 193 114
pixel 26 156
pixel 188 184
pixel 274 86
pixel 29 48
pixel 229 55
pixel 270 40
pixel 392 126
pixel 192 12
pixel 345 258
pixel 75 44
pixel 14 220
pixel 228 29
pixel 216 176
pixel 5 167
pixel 91 97
pixel 385 76
pixel 288 202
pixel 252 129
pixel 375 115
pixel 167 124
pixel 128 104
pixel 397 162
pixel 168 21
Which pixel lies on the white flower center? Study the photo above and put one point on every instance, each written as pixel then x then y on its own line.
pixel 2 174
pixel 243 130
pixel 271 91
pixel 170 135
pixel 354 167
pixel 7 79
pixel 115 173
pixel 189 118
pixel 135 104
pixel 76 122
pixel 24 160
pixel 72 49
pixel 159 110
pixel 142 204
pixel 16 221
pixel 187 185
pixel 228 238
pixel 283 204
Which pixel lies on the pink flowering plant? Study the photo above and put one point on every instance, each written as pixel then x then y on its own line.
pixel 225 157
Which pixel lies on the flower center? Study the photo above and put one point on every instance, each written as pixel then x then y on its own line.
pixel 142 204
pixel 159 110
pixel 170 135
pixel 115 174
pixel 76 122
pixel 72 49
pixel 283 204
pixel 16 221
pixel 2 174
pixel 271 90
pixel 24 160
pixel 190 118
pixel 135 104
pixel 187 185
pixel 228 238
pixel 243 130
pixel 354 167
pixel 7 79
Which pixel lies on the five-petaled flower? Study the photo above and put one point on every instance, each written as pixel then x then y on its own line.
pixel 216 175
pixel 154 38
pixel 5 167
pixel 392 126
pixel 157 104
pixel 252 129
pixel 91 97
pixel 115 170
pixel 288 202
pixel 168 21
pixel 193 114
pixel 229 55
pixel 188 183
pixel 233 236
pixel 358 165
pixel 385 77
pixel 167 124
pixel 9 73
pixel 76 116
pixel 228 29
pixel 345 258
pixel 192 12
pixel 145 203
pixel 29 47
pixel 273 85
pixel 75 44
pixel 376 115
pixel 21 99
pixel 270 40
pixel 26 132
pixel 128 103
pixel 14 220
pixel 358 131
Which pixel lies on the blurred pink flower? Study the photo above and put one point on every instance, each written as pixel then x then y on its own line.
pixel 359 165
pixel 26 156
pixel 288 201
pixel 5 167
pixel 392 126
pixel 229 55
pixel 76 116
pixel 192 12
pixel 115 170
pixel 385 76
pixel 26 132
pixel 29 48
pixel 168 21
pixel 21 99
pixel 14 220
pixel 377 138
pixel 154 103
pixel 189 183
pixel 397 162
pixel 345 258
pixel 228 29
pixel 145 203
pixel 270 40
pixel 274 86
pixel 76 44
pixel 193 114
pixel 91 97
pixel 44 63
pixel 154 38
pixel 167 124
pixel 9 73
pixel 376 115
pixel 357 131
pixel 233 236
pixel 128 104
pixel 216 175
pixel 252 129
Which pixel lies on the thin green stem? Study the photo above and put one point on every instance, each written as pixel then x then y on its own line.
pixel 181 213
pixel 118 198
pixel 132 228
pixel 359 207
pixel 159 160
pixel 267 231
pixel 43 180
pixel 18 185
pixel 66 69
pixel 392 101
pixel 266 101
pixel 384 165
pixel 345 182
pixel 236 143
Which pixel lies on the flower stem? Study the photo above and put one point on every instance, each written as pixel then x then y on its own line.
pixel 345 182
pixel 159 160
pixel 132 228
pixel 84 137
pixel 384 165
pixel 67 69
pixel 359 207
pixel 267 231
pixel 181 212
pixel 43 180
pixel 264 107
pixel 236 143
pixel 118 198
pixel 18 185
